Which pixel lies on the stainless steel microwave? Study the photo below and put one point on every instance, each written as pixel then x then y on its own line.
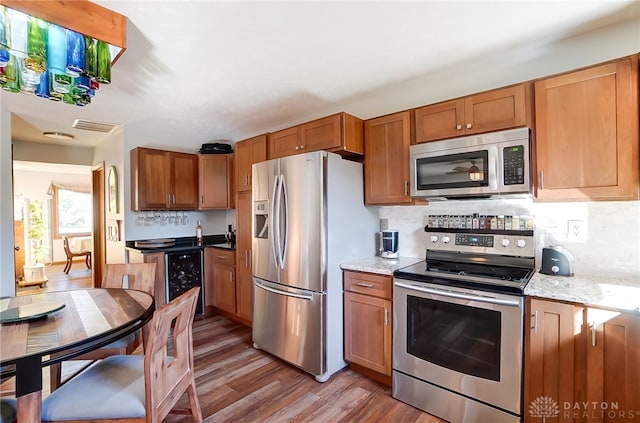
pixel 485 165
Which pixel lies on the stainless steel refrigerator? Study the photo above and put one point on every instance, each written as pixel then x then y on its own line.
pixel 308 217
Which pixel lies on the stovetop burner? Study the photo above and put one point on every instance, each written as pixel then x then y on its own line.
pixel 500 273
pixel 492 279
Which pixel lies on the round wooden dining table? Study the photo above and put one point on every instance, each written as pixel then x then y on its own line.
pixel 64 325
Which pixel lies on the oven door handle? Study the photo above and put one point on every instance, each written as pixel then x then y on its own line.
pixel 458 295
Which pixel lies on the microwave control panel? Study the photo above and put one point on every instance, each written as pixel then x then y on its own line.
pixel 513 162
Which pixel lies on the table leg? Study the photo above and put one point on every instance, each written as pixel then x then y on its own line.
pixel 29 389
pixel 30 407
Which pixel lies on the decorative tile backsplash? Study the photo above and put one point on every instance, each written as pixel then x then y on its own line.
pixel 608 246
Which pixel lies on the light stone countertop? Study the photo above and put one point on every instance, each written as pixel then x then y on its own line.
pixel 379 265
pixel 615 293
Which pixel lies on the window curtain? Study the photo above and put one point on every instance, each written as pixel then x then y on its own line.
pixel 74 187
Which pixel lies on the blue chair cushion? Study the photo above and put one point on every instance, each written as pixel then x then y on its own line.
pixel 8 408
pixel 111 388
pixel 122 342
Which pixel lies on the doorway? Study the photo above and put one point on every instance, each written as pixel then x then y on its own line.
pixel 51 201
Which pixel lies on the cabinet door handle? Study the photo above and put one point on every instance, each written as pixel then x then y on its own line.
pixel 386 316
pixel 366 285
pixel 406 188
pixel 458 127
pixel 469 126
pixel 594 327
pixel 202 199
pixel 542 179
pixel 535 321
pixel 246 258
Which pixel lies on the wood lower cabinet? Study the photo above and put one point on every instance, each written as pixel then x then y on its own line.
pixel 163 180
pixel 340 133
pixel 499 109
pixel 386 163
pixel 581 359
pixel 587 134
pixel 248 152
pixel 368 321
pixel 549 355
pixel 215 181
pixel 244 281
pixel 220 279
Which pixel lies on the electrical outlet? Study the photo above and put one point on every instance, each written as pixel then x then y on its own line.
pixel 576 231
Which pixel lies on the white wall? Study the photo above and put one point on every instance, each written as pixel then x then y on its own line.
pixel 611 246
pixel 7 264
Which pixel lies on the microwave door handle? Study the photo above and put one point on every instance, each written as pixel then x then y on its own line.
pixel 493 168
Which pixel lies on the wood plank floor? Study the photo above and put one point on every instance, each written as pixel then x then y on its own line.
pixel 237 383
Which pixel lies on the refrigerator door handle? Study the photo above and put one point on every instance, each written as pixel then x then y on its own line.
pixel 284 208
pixel 274 216
pixel 285 293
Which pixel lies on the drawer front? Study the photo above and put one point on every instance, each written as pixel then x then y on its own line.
pixel 368 284
pixel 221 256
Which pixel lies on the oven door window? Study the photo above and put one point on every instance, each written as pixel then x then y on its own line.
pixel 460 170
pixel 461 338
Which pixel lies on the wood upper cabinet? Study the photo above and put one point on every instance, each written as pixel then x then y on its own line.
pixel 220 289
pixel 340 133
pixel 494 110
pixel 386 162
pixel 215 181
pixel 582 355
pixel 587 134
pixel 244 282
pixel 163 180
pixel 248 152
pixel 367 320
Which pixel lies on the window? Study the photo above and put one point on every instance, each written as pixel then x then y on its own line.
pixel 71 211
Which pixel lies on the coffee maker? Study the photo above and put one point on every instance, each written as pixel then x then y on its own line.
pixel 389 244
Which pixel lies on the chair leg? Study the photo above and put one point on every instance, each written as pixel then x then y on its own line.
pixel 67 266
pixel 194 403
pixel 55 375
pixel 88 261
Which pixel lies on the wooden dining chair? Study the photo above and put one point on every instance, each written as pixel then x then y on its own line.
pixel 135 388
pixel 140 276
pixel 71 254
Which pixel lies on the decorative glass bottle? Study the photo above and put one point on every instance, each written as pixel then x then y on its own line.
pixel 90 57
pixel 104 63
pixel 75 53
pixel 36 59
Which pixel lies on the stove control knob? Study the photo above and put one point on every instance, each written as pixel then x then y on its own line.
pixel 446 239
pixel 434 238
pixel 521 243
pixel 505 242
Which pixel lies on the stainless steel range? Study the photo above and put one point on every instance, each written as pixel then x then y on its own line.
pixel 458 324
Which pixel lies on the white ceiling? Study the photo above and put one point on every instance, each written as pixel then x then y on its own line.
pixel 215 70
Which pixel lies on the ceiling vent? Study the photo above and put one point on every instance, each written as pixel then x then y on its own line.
pixel 88 125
